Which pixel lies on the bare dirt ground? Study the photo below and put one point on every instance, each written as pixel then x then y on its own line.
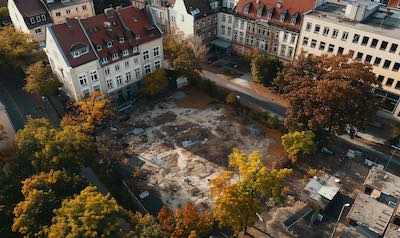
pixel 185 140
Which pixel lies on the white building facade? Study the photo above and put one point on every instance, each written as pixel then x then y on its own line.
pixel 109 53
pixel 365 31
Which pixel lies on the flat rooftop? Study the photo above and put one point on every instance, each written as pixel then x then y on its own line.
pixel 322 189
pixel 371 213
pixel 383 181
pixel 381 22
pixel 393 231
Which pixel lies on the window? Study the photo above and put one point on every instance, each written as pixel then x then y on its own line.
pixel 389 82
pixel 99 47
pixel 387 64
pixel 229 32
pixel 43 18
pixel 365 40
pixel 331 48
pixel 128 77
pixel 121 40
pixel 137 73
pixel 356 38
pixel 157 64
pixel 345 35
pixel 147 69
pixel 335 33
pixel 58 14
pixel 396 67
pixel 229 19
pixel 368 59
pixel 136 60
pixel 393 48
pixel 156 51
pixel 68 11
pixel 223 17
pixel 38 19
pixel 93 76
pixel 146 55
pixel 377 61
pixel 326 31
pixel 135 49
pixel 119 80
pixel 317 28
pixel 305 41
pixel 127 64
pixel 313 43
pixel 107 71
pixel 340 50
pixel 275 48
pixel 389 99
pixel 397 85
pixel 96 88
pixel 290 52
pixel 84 7
pixel 38 31
pixel 109 44
pixel 292 39
pixel 117 67
pixel 359 56
pixel 109 83
pixel 125 52
pixel 383 45
pixel 285 36
pixel 380 78
pixel 283 49
pixel 32 19
pixel 42 43
pixel 86 93
pixel 322 45
pixel 374 43
pixel 104 60
pixel 114 56
pixel 308 26
pixel 82 80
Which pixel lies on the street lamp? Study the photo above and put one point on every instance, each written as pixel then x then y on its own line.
pixel 340 215
pixel 394 148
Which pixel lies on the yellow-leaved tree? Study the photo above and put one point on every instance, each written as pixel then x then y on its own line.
pixel 239 198
pixel 155 83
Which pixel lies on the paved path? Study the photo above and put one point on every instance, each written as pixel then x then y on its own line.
pixel 94 180
pixel 268 102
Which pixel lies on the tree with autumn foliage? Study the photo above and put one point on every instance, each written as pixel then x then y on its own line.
pixel 155 83
pixel 50 148
pixel 299 143
pixel 145 226
pixel 326 93
pixel 186 221
pixel 41 80
pixel 16 48
pixel 265 68
pixel 43 193
pixel 89 114
pixel 238 200
pixel 88 214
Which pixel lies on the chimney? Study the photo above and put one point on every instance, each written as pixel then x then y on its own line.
pixel 109 12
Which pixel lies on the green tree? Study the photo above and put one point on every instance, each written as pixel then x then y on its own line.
pixel 265 68
pixel 4 16
pixel 326 93
pixel 155 83
pixel 299 143
pixel 16 48
pixel 146 226
pixel 88 214
pixel 49 148
pixel 41 80
pixel 237 201
pixel 43 193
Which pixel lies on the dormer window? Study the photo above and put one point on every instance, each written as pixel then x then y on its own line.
pixel 43 18
pixel 115 56
pixel 260 11
pixel 104 60
pixel 121 40
pixel 32 20
pixel 109 44
pixel 125 52
pixel 78 50
pixel 270 13
pixel 214 5
pixel 282 16
pixel 135 49
pixel 293 19
pixel 279 4
pixel 137 36
pixel 38 19
pixel 246 8
pixel 99 47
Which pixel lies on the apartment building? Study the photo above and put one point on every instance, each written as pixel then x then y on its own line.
pixel 32 16
pixel 109 53
pixel 161 11
pixel 364 30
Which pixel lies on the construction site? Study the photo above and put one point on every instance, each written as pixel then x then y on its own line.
pixel 175 146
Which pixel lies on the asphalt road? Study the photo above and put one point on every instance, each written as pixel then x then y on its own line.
pixel 20 104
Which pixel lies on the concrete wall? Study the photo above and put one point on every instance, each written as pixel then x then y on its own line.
pixel 7 124
pixel 184 22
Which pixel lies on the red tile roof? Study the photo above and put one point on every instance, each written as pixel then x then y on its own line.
pixel 394 3
pixel 291 6
pixel 125 22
